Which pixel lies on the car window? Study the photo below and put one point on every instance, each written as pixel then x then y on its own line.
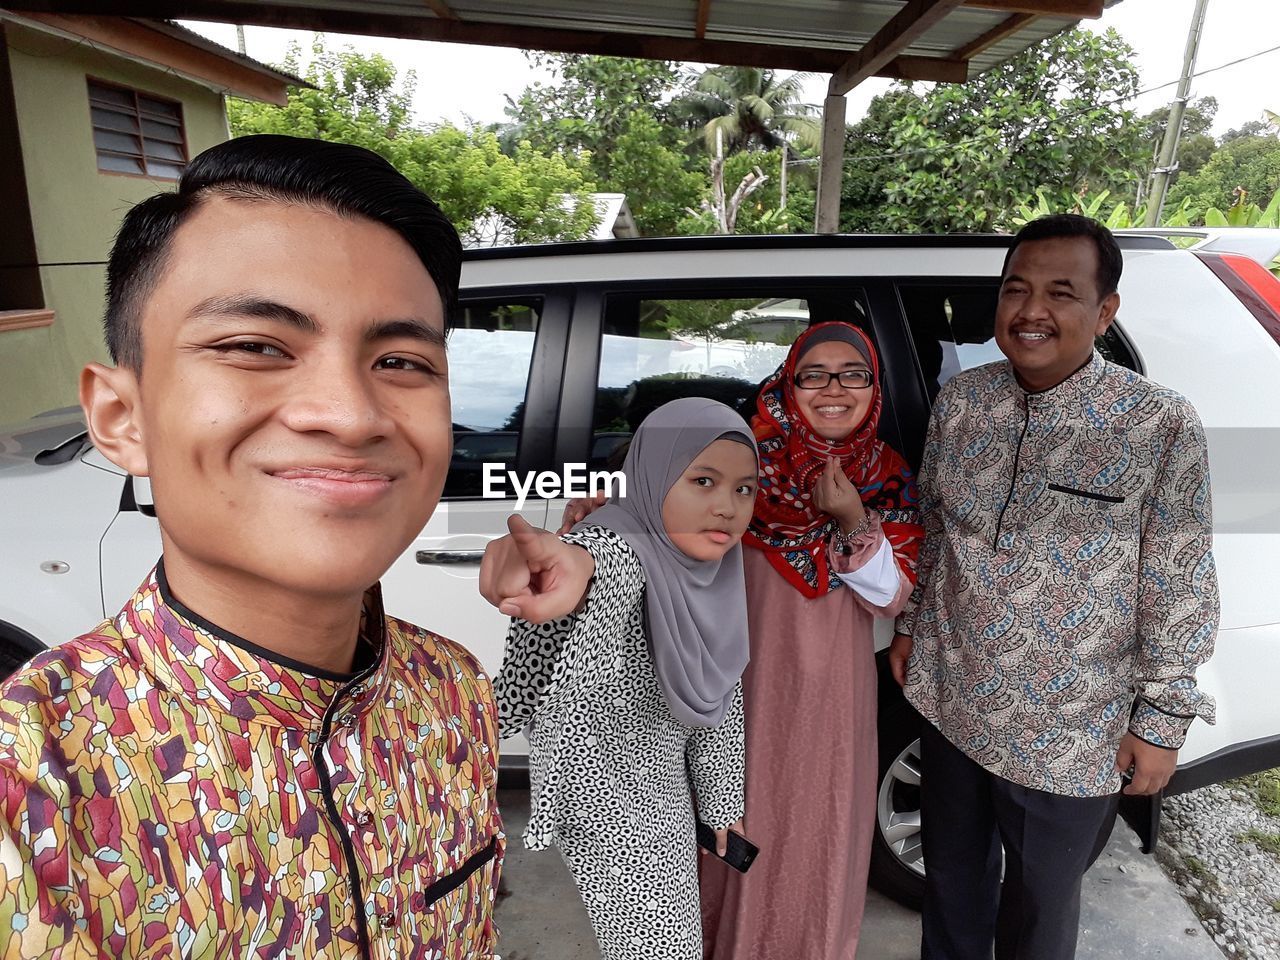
pixel 490 350
pixel 952 327
pixel 654 350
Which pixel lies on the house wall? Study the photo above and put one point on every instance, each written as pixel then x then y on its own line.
pixel 75 210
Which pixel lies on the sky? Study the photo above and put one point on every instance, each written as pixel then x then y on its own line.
pixel 1156 29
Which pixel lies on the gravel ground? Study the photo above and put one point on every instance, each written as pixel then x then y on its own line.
pixel 1223 851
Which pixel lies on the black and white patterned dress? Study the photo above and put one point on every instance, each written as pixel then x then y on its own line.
pixel 611 770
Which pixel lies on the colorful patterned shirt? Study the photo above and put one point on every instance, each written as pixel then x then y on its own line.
pixel 1067 590
pixel 170 790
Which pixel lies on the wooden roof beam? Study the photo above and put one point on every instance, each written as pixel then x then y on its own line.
pixel 270 13
pixel 704 13
pixel 909 24
pixel 1004 31
pixel 1074 9
pixel 442 9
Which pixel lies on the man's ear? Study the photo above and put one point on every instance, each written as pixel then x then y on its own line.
pixel 109 396
pixel 1110 307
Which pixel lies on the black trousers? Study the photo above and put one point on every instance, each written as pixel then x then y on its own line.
pixel 1049 841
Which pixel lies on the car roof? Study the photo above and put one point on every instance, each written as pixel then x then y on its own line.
pixel 797 242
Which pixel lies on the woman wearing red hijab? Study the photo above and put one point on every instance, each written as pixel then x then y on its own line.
pixel 832 545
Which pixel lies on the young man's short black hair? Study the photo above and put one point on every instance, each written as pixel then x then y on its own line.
pixel 348 180
pixel 1110 260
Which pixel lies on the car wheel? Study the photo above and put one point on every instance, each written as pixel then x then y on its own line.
pixel 897 853
pixel 16 648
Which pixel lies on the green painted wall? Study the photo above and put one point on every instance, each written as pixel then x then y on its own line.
pixel 75 210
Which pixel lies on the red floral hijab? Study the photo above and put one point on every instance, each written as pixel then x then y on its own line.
pixel 786 525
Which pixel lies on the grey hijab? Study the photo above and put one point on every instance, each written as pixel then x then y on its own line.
pixel 696 610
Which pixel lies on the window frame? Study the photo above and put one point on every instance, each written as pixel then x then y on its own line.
pixel 536 438
pixel 139 117
pixel 573 439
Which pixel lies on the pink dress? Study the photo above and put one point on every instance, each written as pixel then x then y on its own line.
pixel 810 699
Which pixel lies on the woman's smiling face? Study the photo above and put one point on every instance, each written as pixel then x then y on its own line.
pixel 834 411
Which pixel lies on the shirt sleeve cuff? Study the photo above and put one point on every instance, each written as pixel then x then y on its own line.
pixel 1157 727
pixel 877 580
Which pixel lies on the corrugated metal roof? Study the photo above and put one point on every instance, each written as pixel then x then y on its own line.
pixel 795 34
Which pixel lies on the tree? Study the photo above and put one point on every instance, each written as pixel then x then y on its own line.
pixel 1196 144
pixel 749 107
pixel 869 160
pixel 493 198
pixel 490 196
pixel 590 105
pixel 653 174
pixel 609 113
pixel 1251 128
pixel 1053 117
pixel 1245 168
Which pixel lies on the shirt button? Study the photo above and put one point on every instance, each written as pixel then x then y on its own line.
pixel 387 919
pixel 364 818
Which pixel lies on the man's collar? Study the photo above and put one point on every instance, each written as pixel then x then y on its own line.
pixel 202 662
pixel 1083 377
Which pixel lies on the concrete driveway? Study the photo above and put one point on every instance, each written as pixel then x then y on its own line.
pixel 1130 908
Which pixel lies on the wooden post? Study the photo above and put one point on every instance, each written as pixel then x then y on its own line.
pixel 831 167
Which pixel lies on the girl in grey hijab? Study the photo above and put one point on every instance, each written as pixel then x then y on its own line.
pixel 623 667
pixel 697 627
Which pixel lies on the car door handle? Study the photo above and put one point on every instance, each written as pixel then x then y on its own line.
pixel 449 556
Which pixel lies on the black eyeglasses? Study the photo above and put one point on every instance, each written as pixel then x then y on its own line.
pixel 858 379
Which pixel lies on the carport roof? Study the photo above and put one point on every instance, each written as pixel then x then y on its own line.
pixel 943 40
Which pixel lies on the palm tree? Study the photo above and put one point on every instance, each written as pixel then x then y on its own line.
pixel 749 106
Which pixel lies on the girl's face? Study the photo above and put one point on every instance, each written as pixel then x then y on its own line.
pixel 833 411
pixel 707 509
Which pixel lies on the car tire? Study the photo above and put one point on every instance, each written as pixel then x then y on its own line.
pixel 16 648
pixel 897 856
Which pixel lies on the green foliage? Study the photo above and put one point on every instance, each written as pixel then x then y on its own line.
pixel 1051 118
pixel 1263 788
pixel 869 160
pixel 1195 146
pixel 653 175
pixel 1242 213
pixel 528 196
pixel 1116 215
pixel 589 106
pixel 1242 168
pixel 492 197
pixel 762 213
pixel 1265 840
pixel 609 113
pixel 749 107
pixel 353 98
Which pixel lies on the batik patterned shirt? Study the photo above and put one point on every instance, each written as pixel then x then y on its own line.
pixel 168 790
pixel 1067 589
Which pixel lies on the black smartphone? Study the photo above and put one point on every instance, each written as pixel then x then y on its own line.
pixel 739 853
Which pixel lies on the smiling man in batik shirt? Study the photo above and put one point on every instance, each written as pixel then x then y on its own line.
pixel 251 759
pixel 1066 596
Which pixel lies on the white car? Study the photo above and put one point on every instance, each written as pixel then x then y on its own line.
pixel 558 357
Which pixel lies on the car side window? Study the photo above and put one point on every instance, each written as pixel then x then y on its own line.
pixel 490 352
pixel 952 326
pixel 654 350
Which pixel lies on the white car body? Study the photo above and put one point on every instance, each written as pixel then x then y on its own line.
pixel 72 556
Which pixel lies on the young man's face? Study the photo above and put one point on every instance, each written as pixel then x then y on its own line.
pixel 1050 310
pixel 292 409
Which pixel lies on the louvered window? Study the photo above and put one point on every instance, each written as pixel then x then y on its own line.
pixel 136 132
